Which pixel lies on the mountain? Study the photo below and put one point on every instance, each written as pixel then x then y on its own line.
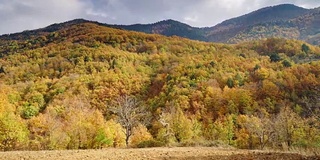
pixel 304 27
pixel 267 14
pixel 286 20
pixel 309 26
pixel 84 85
pixel 32 33
pixel 167 28
pixel 230 28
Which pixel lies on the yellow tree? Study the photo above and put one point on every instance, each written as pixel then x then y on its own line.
pixel 260 128
pixel 286 124
pixel 13 132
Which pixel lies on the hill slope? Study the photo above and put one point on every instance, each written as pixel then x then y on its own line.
pixel 230 28
pixel 303 27
pixel 287 21
pixel 64 87
pixel 167 28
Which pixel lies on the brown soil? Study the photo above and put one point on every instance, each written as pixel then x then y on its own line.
pixel 186 153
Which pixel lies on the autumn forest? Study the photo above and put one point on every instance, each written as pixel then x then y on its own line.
pixel 87 86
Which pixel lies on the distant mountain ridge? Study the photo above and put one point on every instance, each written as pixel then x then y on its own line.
pixel 230 28
pixel 268 14
pixel 285 21
pixel 168 28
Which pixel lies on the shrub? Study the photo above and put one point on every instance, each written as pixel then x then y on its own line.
pixel 286 63
pixel 204 143
pixel 13 132
pixel 29 111
pixel 275 57
pixel 140 134
pixel 150 143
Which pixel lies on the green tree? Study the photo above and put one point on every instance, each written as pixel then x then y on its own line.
pixel 177 127
pixel 287 123
pixel 13 132
pixel 286 63
pixel 230 83
pixel 305 48
pixel 275 57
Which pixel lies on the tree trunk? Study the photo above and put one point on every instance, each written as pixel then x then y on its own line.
pixel 128 134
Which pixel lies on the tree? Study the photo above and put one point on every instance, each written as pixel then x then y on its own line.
pixel 286 63
pixel 286 124
pixel 305 48
pixel 230 83
pixel 13 131
pixel 262 128
pixel 85 127
pixel 275 57
pixel 140 134
pixel 70 123
pixel 177 127
pixel 129 114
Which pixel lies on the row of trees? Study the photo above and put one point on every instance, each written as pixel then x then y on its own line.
pixel 78 127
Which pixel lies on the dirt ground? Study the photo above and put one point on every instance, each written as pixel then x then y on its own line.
pixel 176 153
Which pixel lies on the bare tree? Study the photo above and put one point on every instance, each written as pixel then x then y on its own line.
pixel 286 123
pixel 263 128
pixel 129 114
pixel 166 124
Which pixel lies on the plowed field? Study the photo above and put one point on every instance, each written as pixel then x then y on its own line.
pixel 176 153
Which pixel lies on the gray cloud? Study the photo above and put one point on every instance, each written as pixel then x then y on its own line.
pixel 194 12
pixel 18 15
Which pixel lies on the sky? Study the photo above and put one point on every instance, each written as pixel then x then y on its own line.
pixel 20 15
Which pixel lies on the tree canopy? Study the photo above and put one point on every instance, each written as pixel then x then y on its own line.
pixel 60 90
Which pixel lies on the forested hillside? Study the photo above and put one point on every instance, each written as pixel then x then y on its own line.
pixel 167 28
pixel 230 29
pixel 303 27
pixel 87 86
pixel 284 21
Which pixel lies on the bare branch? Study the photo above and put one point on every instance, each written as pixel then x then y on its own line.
pixel 129 113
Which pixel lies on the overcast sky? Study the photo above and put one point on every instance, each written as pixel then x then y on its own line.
pixel 20 15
